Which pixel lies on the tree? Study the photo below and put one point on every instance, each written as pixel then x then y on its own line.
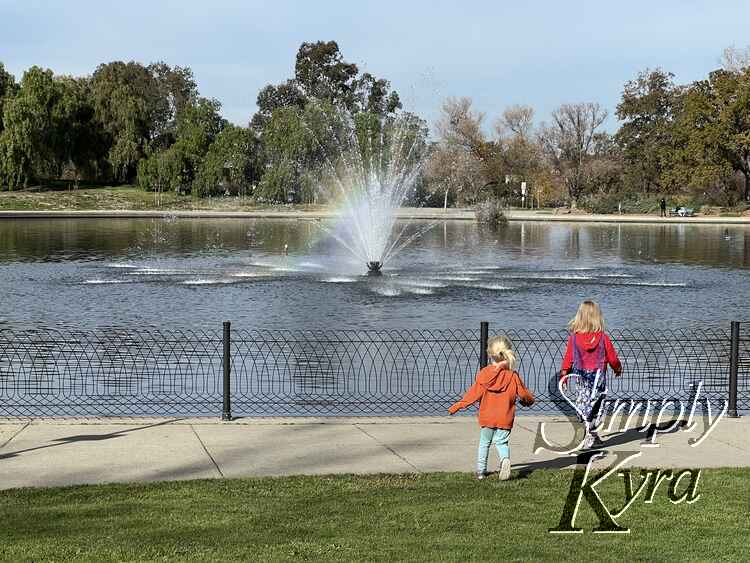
pixel 374 95
pixel 175 168
pixel 569 142
pixel 605 168
pixel 460 126
pixel 8 89
pixel 177 91
pixel 712 133
pixel 647 109
pixel 125 97
pixel 455 161
pixel 517 151
pixel 82 149
pixel 451 169
pixel 163 171
pixel 229 164
pixel 48 125
pixel 322 73
pixel 197 127
pixel 735 60
pixel 290 149
pixel 137 107
pixel 516 121
pixel 271 98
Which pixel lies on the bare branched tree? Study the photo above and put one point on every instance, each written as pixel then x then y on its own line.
pixel 454 169
pixel 455 163
pixel 734 59
pixel 516 121
pixel 459 125
pixel 569 142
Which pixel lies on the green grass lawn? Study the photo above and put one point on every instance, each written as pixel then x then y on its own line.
pixel 429 517
pixel 123 198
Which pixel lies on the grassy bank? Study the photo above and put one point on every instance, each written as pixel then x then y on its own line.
pixel 132 198
pixel 429 517
pixel 123 198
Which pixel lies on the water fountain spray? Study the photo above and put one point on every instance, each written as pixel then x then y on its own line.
pixel 370 167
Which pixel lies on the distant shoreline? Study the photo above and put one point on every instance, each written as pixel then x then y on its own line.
pixel 432 214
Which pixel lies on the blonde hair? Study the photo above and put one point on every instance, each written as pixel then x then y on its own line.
pixel 589 318
pixel 499 348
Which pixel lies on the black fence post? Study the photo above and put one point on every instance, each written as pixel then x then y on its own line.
pixel 483 336
pixel 734 357
pixel 226 412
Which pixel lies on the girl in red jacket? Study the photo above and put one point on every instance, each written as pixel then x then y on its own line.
pixel 588 353
pixel 497 387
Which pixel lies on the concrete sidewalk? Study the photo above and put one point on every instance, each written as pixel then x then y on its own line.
pixel 51 453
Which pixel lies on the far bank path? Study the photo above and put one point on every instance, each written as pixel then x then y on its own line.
pixel 42 453
pixel 414 213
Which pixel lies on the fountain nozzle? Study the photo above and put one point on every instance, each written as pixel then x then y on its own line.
pixel 373 268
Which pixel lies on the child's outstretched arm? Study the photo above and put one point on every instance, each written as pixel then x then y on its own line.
pixel 525 396
pixel 472 395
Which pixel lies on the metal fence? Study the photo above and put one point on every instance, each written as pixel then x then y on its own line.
pixel 126 372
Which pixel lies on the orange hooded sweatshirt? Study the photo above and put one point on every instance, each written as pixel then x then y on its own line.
pixel 497 389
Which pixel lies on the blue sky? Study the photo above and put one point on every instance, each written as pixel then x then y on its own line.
pixel 498 53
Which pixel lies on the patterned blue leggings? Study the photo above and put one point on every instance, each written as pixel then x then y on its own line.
pixel 487 437
pixel 591 390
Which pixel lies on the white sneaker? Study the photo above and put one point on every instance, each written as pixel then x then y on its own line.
pixel 504 472
pixel 588 442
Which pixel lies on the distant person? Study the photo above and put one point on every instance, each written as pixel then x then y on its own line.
pixel 587 355
pixel 663 207
pixel 497 388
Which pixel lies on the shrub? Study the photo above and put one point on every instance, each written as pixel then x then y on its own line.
pixel 603 202
pixel 490 212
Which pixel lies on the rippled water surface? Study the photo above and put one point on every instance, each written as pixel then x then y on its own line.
pixel 196 273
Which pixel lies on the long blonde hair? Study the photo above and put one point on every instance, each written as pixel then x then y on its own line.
pixel 499 348
pixel 589 318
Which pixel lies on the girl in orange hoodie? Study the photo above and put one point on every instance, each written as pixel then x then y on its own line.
pixel 496 388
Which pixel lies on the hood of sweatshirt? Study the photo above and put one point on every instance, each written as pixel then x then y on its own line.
pixel 495 378
pixel 588 341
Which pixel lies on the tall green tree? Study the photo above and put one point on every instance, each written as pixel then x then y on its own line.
pixel 271 98
pixel 175 168
pixel 322 73
pixel 648 109
pixel 712 132
pixel 177 91
pixel 48 126
pixel 231 163
pixel 137 107
pixel 291 151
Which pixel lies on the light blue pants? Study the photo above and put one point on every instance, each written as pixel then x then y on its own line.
pixel 487 436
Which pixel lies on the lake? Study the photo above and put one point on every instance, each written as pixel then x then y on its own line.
pixel 195 273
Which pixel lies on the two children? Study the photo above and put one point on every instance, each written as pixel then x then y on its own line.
pixel 498 386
